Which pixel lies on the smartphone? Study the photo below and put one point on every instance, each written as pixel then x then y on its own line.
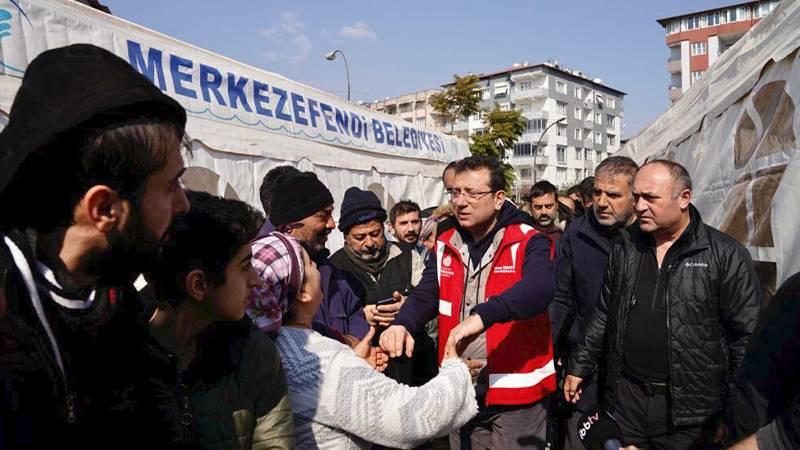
pixel 386 301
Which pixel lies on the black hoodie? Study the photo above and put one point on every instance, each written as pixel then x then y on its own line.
pixel 528 297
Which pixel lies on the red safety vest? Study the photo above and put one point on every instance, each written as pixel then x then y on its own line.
pixel 519 353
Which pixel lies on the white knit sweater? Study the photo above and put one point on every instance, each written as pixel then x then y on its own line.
pixel 340 402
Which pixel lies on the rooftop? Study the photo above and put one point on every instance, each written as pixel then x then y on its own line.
pixel 665 20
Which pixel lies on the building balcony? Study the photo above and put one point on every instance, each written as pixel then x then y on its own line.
pixel 674 65
pixel 534 136
pixel 530 75
pixel 588 143
pixel 529 95
pixel 675 93
pixel 588 123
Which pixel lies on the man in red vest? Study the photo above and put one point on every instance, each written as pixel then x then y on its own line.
pixel 491 279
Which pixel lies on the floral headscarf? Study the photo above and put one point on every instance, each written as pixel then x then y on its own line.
pixel 279 261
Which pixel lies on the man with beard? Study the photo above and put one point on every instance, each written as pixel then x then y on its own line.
pixel 581 260
pixel 380 272
pixel 310 221
pixel 544 209
pixel 405 225
pixel 90 169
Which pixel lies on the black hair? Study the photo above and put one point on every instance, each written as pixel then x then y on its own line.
pixel 402 207
pixel 122 156
pixel 543 187
pixel 497 178
pixel 206 238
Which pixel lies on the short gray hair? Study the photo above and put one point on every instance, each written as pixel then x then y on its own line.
pixel 617 166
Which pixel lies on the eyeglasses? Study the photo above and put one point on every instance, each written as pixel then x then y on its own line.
pixel 469 195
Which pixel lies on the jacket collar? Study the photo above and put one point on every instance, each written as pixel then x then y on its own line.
pixel 693 239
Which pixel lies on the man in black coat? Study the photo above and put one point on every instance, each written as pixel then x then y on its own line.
pixel 581 259
pixel 90 167
pixel 678 304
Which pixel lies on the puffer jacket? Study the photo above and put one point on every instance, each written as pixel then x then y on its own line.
pixel 713 302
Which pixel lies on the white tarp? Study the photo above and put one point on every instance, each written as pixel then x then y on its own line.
pixel 736 131
pixel 243 121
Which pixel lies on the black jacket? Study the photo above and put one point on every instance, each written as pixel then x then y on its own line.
pixel 767 387
pixel 713 303
pixel 395 276
pixel 43 407
pixel 581 258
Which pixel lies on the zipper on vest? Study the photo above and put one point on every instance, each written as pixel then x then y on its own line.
pixel 72 416
pixel 186 417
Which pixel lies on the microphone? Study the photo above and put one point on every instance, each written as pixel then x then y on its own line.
pixel 598 430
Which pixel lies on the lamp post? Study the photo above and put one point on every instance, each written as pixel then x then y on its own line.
pixel 331 56
pixel 539 142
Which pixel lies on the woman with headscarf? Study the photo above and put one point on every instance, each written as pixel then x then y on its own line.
pixel 338 400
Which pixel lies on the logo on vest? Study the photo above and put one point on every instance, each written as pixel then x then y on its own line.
pixel 447 260
pixel 505 269
pixel 444 268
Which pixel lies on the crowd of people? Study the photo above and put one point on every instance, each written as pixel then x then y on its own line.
pixel 136 314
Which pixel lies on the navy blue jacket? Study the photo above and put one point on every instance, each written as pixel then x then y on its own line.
pixel 581 258
pixel 528 297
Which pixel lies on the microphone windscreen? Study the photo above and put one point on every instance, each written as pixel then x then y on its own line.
pixel 596 427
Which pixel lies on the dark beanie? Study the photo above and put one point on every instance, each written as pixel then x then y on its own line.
pixel 360 207
pixel 78 87
pixel 296 196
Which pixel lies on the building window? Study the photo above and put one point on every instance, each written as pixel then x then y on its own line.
pixel 561 130
pixel 485 94
pixel 500 90
pixel 578 134
pixel 698 48
pixel 609 121
pixel 561 107
pixel 525 173
pixel 578 153
pixel 523 149
pixel 598 137
pixel 712 19
pixel 599 156
pixel 525 85
pixel 578 174
pixel 611 102
pixel 764 8
pixel 612 140
pixel 587 154
pixel 690 23
pixel 578 92
pixel 561 87
pixel 578 113
pixel 674 26
pixel 420 121
pixel 696 75
pixel 561 174
pixel 561 154
pixel 598 118
pixel 537 124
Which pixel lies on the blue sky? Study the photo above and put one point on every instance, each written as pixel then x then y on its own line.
pixel 400 47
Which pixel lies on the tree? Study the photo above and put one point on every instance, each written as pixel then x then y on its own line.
pixel 459 100
pixel 501 131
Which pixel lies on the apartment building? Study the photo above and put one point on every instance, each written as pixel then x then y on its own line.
pixel 414 108
pixel 696 40
pixel 574 121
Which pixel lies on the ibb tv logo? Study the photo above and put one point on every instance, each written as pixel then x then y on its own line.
pixel 586 426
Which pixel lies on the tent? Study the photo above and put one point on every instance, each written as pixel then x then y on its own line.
pixel 736 130
pixel 242 121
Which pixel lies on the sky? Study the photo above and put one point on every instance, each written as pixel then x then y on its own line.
pixel 398 47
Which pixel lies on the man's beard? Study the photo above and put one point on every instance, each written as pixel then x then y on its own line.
pixel 130 252
pixel 369 255
pixel 411 237
pixel 545 221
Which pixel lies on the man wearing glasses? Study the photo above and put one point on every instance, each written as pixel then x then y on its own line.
pixel 491 279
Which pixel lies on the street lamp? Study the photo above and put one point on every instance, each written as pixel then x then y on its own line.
pixel 539 142
pixel 331 56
